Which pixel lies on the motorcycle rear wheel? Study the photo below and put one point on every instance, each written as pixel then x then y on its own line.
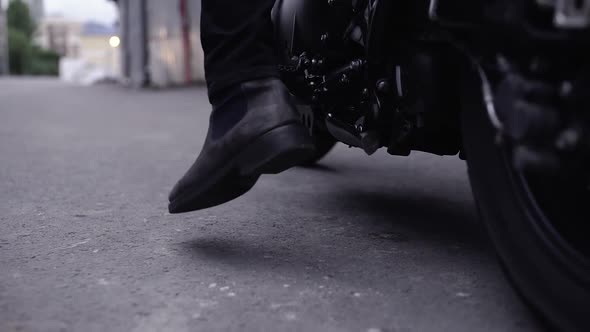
pixel 549 268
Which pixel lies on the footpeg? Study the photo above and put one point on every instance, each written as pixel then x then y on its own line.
pixel 352 136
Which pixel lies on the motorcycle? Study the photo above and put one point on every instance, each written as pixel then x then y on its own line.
pixel 503 84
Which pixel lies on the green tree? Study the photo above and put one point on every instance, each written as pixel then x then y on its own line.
pixel 19 52
pixel 44 62
pixel 19 18
pixel 26 58
pixel 20 34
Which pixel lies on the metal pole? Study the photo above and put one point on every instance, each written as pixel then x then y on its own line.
pixel 186 42
pixel 144 21
pixel 4 61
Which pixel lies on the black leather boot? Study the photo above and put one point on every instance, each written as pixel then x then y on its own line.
pixel 253 130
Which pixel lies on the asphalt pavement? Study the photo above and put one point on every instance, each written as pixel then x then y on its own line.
pixel 357 243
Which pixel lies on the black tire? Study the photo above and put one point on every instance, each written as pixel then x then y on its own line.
pixel 324 143
pixel 551 277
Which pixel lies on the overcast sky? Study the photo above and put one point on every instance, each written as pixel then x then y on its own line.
pixel 97 10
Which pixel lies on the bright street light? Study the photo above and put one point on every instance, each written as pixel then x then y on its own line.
pixel 114 41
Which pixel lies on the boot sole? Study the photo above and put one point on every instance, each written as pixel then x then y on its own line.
pixel 271 153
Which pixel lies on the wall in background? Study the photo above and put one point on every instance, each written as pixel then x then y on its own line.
pixel 161 43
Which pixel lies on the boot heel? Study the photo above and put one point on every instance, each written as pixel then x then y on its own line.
pixel 276 151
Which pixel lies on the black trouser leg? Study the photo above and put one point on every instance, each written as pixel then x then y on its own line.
pixel 237 37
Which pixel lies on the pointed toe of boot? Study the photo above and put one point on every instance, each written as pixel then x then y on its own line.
pixel 197 197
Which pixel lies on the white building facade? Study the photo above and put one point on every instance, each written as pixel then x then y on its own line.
pixel 60 35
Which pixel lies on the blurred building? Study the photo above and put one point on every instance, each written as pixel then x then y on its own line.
pixel 60 35
pixel 89 50
pixel 98 47
pixel 4 69
pixel 161 42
